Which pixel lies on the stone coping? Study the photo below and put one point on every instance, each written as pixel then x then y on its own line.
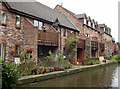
pixel 37 78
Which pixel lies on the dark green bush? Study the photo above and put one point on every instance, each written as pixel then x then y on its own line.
pixel 116 58
pixel 10 75
pixel 92 62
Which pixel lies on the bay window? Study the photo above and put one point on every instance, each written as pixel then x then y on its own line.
pixel 18 21
pixel 4 17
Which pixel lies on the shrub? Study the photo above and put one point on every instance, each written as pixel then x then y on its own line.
pixel 116 58
pixel 92 62
pixel 70 47
pixel 10 74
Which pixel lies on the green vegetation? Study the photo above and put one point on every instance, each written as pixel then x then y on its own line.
pixel 93 62
pixel 70 47
pixel 10 74
pixel 116 58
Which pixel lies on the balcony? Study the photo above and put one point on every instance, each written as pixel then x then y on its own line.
pixel 81 44
pixel 94 45
pixel 48 38
pixel 102 46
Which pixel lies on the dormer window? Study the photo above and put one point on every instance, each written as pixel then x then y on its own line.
pixel 110 32
pixel 4 17
pixel 87 35
pixel 18 21
pixel 89 23
pixel 104 29
pixel 93 25
pixel 85 21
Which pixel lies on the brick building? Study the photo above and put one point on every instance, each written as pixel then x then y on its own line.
pixel 34 25
pixel 22 25
pixel 99 35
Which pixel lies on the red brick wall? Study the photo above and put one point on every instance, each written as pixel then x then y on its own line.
pixel 75 21
pixel 26 36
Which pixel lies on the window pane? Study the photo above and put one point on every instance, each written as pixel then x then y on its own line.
pixel 17 50
pixel 0 50
pixel 3 52
pixel 40 25
pixel 35 23
pixel 64 32
pixel 3 17
pixel 17 21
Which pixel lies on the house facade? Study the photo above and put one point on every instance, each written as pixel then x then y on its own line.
pixel 34 25
pixel 22 28
pixel 98 36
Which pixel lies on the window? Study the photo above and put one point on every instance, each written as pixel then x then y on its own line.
pixel 93 53
pixel 64 32
pixel 40 25
pixel 2 51
pixel 93 25
pixel 87 35
pixel 17 50
pixel 4 17
pixel 110 32
pixel 84 21
pixel 71 31
pixel 18 21
pixel 89 23
pixel 96 38
pixel 35 23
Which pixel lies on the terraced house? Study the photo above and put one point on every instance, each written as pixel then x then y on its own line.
pixel 32 24
pixel 98 37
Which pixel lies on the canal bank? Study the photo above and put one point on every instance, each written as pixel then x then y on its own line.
pixel 37 78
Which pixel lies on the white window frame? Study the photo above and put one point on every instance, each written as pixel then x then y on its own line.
pixel 2 51
pixel 104 29
pixel 85 21
pixel 35 23
pixel 18 22
pixel 89 23
pixel 4 17
pixel 40 25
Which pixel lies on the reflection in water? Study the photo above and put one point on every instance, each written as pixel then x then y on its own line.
pixel 100 77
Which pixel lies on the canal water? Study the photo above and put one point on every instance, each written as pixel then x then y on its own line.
pixel 107 76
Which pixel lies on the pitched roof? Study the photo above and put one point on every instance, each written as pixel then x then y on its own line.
pixel 81 15
pixel 67 10
pixel 41 11
pixel 101 25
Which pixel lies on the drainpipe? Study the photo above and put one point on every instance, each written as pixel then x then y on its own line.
pixel 83 28
pixel 60 40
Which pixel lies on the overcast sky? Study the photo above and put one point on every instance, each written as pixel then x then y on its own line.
pixel 103 11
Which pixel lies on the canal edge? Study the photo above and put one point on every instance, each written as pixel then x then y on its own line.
pixel 37 78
